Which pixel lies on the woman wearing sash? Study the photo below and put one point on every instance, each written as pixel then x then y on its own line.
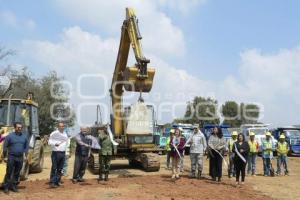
pixel 241 151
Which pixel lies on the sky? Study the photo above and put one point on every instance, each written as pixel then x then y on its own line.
pixel 246 51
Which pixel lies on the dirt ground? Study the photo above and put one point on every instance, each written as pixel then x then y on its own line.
pixel 130 183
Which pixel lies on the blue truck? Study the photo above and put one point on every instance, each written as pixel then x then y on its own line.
pixel 208 128
pixel 292 137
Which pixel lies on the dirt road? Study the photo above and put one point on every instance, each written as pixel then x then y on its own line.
pixel 129 183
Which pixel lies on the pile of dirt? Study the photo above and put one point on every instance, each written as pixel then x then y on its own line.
pixel 139 187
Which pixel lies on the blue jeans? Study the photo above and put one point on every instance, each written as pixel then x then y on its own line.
pixel 58 159
pixel 13 169
pixel 252 163
pixel 65 168
pixel 282 160
pixel 267 166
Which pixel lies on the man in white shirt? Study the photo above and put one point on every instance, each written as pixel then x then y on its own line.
pixel 197 149
pixel 58 141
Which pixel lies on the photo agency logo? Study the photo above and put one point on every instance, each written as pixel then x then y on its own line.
pixel 112 99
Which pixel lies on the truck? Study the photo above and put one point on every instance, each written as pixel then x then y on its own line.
pixel 292 137
pixel 208 128
pixel 260 133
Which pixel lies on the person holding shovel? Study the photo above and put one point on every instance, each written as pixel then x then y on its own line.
pixel 241 150
pixel 177 147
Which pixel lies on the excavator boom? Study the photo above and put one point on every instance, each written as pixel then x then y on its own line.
pixel 138 78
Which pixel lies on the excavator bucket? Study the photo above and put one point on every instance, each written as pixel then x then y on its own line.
pixel 136 84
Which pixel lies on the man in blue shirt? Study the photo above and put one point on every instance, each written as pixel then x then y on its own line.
pixel 15 147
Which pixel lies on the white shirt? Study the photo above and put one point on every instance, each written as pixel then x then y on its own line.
pixel 60 138
pixel 198 141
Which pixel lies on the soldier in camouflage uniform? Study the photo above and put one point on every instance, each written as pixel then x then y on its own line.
pixel 105 155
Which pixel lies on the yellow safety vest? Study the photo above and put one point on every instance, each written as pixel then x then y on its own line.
pixel 253 146
pixel 168 144
pixel 282 148
pixel 231 142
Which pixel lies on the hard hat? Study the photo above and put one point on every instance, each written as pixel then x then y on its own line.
pixel 234 133
pixel 172 130
pixel 281 137
pixel 268 133
pixel 180 129
pixel 251 133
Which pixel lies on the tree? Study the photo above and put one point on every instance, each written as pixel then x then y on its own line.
pixel 201 111
pixel 249 113
pixel 237 114
pixel 231 114
pixel 51 108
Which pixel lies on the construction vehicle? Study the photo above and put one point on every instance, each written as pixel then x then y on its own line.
pixel 24 111
pixel 94 160
pixel 208 129
pixel 133 127
pixel 292 137
pixel 260 131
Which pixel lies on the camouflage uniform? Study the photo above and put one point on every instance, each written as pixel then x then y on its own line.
pixel 105 155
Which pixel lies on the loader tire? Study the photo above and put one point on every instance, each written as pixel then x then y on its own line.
pixel 37 161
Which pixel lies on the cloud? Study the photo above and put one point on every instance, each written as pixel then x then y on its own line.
pixel 270 79
pixel 158 31
pixel 79 53
pixel 9 18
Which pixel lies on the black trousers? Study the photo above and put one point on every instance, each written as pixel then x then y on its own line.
pixel 240 168
pixel 58 160
pixel 215 165
pixel 13 169
pixel 80 166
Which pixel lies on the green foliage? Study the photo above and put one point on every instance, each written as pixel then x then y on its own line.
pixel 23 82
pixel 201 111
pixel 235 114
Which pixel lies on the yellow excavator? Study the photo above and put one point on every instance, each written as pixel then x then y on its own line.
pixel 133 126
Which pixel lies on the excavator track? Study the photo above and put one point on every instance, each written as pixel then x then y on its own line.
pixel 150 162
pixel 93 163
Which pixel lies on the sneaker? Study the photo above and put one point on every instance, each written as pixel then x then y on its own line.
pixel 173 176
pixel 237 183
pixel 80 180
pixel 243 183
pixel 177 176
pixel 219 179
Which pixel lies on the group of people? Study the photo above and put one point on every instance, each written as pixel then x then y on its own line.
pixel 240 153
pixel 58 140
pixel 16 147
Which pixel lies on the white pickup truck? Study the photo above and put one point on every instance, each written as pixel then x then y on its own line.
pixel 260 133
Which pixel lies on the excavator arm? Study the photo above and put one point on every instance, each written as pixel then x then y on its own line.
pixel 138 78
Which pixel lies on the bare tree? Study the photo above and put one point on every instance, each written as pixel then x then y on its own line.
pixel 6 52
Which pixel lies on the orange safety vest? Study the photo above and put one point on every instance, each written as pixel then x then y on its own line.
pixel 253 146
pixel 282 148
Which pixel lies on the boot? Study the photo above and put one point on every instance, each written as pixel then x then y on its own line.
pixel 199 174
pixel 106 177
